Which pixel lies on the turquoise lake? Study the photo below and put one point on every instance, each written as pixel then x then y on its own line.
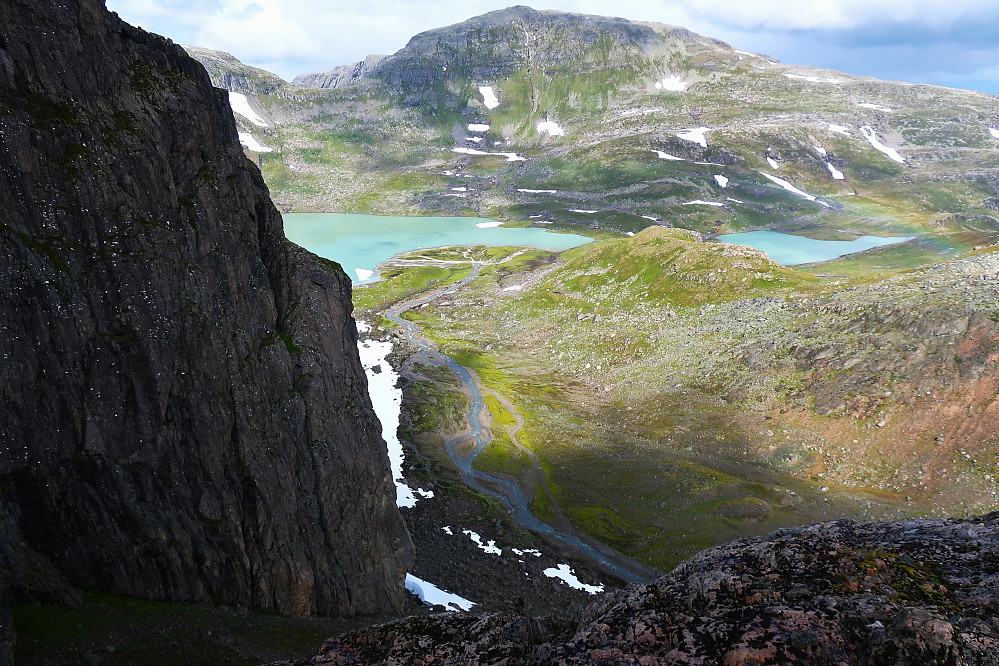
pixel 361 242
pixel 788 249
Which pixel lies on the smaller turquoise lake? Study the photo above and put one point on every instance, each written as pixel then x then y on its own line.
pixel 788 249
pixel 361 242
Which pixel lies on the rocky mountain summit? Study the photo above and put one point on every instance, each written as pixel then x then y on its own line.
pixel 908 592
pixel 183 414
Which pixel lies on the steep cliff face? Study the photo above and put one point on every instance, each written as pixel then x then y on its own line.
pixel 183 415
pixel 340 75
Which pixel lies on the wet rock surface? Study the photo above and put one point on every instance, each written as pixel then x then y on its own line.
pixel 908 592
pixel 183 415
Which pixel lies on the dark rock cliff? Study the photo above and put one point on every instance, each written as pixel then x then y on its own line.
pixel 183 414
pixel 907 593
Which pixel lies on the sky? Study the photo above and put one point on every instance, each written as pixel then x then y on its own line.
pixel 951 43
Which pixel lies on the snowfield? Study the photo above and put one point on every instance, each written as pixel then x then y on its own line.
pixel 697 135
pixel 435 596
pixel 478 127
pixel 721 180
pixel 836 173
pixel 550 128
pixel 672 84
pixel 838 129
pixel 510 157
pixel 667 156
pixel 247 140
pixel 564 573
pixel 241 105
pixel 489 98
pixel 872 138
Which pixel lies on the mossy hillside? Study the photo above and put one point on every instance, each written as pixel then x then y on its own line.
pixel 664 427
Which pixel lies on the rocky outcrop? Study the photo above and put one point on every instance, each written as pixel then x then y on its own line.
pixel 910 592
pixel 338 76
pixel 228 73
pixel 183 414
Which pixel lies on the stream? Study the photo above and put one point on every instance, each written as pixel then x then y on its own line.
pixel 507 492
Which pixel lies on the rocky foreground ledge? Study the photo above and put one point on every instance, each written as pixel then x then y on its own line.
pixel 908 592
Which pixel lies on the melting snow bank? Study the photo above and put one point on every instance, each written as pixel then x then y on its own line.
pixel 721 180
pixel 551 128
pixel 774 164
pixel 839 129
pixel 876 107
pixel 813 79
pixel 791 188
pixel 478 127
pixel 241 105
pixel 488 225
pixel 872 138
pixel 565 574
pixel 667 156
pixel 489 547
pixel 510 157
pixel 489 97
pixel 836 173
pixel 696 135
pixel 386 399
pixel 435 596
pixel 247 140
pixel 672 84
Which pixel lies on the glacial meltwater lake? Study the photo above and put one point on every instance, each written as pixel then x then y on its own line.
pixel 788 249
pixel 361 242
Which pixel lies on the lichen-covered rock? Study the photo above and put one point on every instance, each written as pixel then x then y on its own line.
pixel 911 592
pixel 183 414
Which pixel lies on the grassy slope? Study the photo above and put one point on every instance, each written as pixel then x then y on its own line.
pixel 662 388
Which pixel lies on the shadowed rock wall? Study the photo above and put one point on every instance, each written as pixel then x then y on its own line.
pixel 183 414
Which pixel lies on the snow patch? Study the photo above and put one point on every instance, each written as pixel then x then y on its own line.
pixel 489 547
pixel 488 225
pixel 489 97
pixel 247 140
pixel 241 105
pixel 672 84
pixel 526 551
pixel 650 217
pixel 564 573
pixel 584 212
pixel 459 189
pixel 701 202
pixel 474 139
pixel 696 135
pixel 791 188
pixel 872 138
pixel 838 129
pixel 820 150
pixel 813 79
pixel 432 595
pixel 363 274
pixel 876 107
pixel 667 156
pixel 516 287
pixel 527 191
pixel 836 173
pixel 735 200
pixel 773 163
pixel 510 157
pixel 551 128
pixel 386 399
pixel 721 180
pixel 447 530
pixel 477 127
pixel 994 132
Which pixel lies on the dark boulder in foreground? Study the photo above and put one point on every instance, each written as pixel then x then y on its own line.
pixel 910 592
pixel 183 415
